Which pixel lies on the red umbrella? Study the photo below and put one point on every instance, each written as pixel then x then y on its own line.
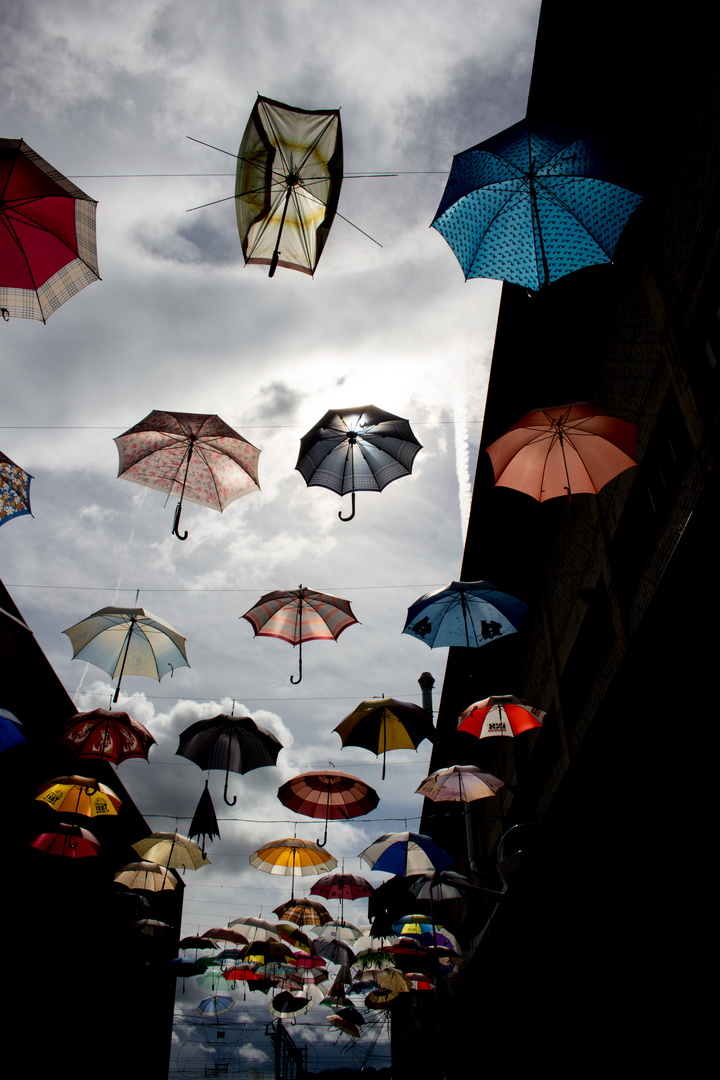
pixel 47 235
pixel 502 714
pixel 68 840
pixel 563 450
pixel 328 794
pixel 107 736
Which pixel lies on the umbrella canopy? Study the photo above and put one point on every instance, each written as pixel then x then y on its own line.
pixel 255 929
pixel 331 795
pixel 382 724
pixel 14 486
pixel 303 912
pixel 79 795
pixel 289 174
pixel 172 850
pixel 150 876
pixel 232 743
pixel 469 613
pixel 128 639
pixel 361 449
pixel 192 455
pixel 298 615
pixel 287 1006
pixel 440 885
pixel 68 840
pixel 47 235
pixel 103 735
pixel 342 887
pixel 216 1005
pixel 563 451
pixel 459 783
pixel 501 714
pixel 10 731
pixel 404 854
pixel 534 203
pixel 292 857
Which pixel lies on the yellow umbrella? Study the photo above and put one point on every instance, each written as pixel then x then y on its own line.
pixel 79 795
pixel 293 857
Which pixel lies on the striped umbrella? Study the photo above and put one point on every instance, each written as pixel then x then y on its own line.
pixel 328 794
pixel 292 857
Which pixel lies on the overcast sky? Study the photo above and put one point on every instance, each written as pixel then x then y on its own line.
pixel 107 91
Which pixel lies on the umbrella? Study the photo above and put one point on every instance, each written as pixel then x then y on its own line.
pixel 10 730
pixel 14 486
pixel 329 795
pixel 289 174
pixel 116 639
pixel 405 853
pixel 346 1027
pixel 232 743
pixel 216 1005
pixel 459 783
pixel 337 952
pixel 469 613
pixel 191 455
pixel 47 235
pixel 150 876
pixel 339 931
pixel 79 795
pixel 293 857
pixel 303 912
pixel 362 449
pixel 171 850
pixel 534 203
pixel 501 714
pixel 102 735
pixel 287 1006
pixel 342 887
pixel 298 615
pixel 564 450
pixel 440 885
pixel 204 823
pixel 256 929
pixel 382 724
pixel 68 840
pixel 225 933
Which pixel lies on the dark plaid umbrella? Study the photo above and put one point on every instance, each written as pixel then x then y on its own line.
pixel 233 743
pixel 303 912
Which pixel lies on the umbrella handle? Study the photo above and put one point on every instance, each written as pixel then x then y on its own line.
pixel 352 513
pixel 225 793
pixel 299 678
pixel 176 523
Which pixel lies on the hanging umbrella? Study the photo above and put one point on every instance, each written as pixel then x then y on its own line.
pixel 255 929
pixel 346 1027
pixel 287 1006
pixel 565 450
pixel 459 783
pixel 289 174
pixel 14 483
pixel 438 885
pixel 150 876
pixel 303 912
pixel 102 735
pixel 171 850
pixel 534 203
pixel 204 823
pixel 469 613
pixel 295 937
pixel 501 714
pixel 47 235
pixel 298 615
pixel 191 455
pixel 79 795
pixel 337 930
pixel 337 952
pixel 331 795
pixel 382 724
pixel 232 743
pixel 292 857
pixel 405 853
pixel 216 1005
pixel 10 731
pixel 119 639
pixel 225 933
pixel 342 887
pixel 362 449
pixel 68 840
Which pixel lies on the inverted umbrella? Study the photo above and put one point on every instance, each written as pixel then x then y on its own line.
pixel 382 724
pixel 172 850
pixel 233 743
pixel 459 783
pixel 103 735
pixel 404 854
pixel 331 795
pixel 469 613
pixel 128 639
pixel 361 449
pixel 564 450
pixel 292 857
pixel 501 714
pixel 47 235
pixel 192 455
pixel 534 203
pixel 14 489
pixel 298 615
pixel 289 174
pixel 79 795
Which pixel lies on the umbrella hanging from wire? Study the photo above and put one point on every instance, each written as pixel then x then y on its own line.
pixel 14 490
pixel 459 783
pixel 79 795
pixel 233 743
pixel 204 823
pixel 498 715
pixel 404 854
pixel 361 449
pixel 103 735
pixel 298 615
pixel 327 794
pixel 128 639
pixel 192 455
pixel 172 850
pixel 292 857
pixel 303 912
pixel 469 613
pixel 382 724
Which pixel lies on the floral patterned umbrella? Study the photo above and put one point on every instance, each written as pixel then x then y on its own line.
pixel 14 490
pixel 192 455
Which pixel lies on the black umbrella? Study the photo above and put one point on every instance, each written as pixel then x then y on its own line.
pixel 233 743
pixel 204 823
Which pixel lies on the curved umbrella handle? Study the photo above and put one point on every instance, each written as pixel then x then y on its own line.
pixel 299 678
pixel 352 513
pixel 176 523
pixel 225 793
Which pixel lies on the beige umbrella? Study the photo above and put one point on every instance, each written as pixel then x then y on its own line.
pixel 172 850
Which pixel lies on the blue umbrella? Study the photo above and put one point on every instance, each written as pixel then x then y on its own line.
pixel 469 613
pixel 10 733
pixel 215 1005
pixel 14 490
pixel 405 854
pixel 534 203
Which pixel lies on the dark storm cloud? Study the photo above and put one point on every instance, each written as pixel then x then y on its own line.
pixel 200 241
pixel 277 399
